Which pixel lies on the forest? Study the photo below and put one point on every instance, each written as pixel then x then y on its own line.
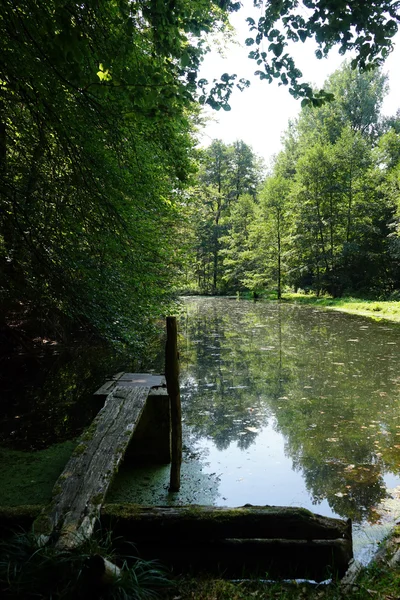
pixel 108 205
pixel 324 218
pixel 110 209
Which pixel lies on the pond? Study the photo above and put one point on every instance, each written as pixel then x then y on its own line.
pixel 292 405
pixel 282 404
pixel 285 405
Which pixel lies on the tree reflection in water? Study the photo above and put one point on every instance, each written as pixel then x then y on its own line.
pixel 327 383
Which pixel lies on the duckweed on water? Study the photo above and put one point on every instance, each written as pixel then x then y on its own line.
pixel 148 485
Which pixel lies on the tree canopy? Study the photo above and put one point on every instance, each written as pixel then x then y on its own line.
pixel 97 105
pixel 326 216
pixel 365 28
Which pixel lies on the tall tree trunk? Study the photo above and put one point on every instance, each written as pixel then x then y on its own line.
pixel 279 254
pixel 216 249
pixel 349 207
pixel 3 140
pixel 321 232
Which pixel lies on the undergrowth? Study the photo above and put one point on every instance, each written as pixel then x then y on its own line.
pixel 375 582
pixel 31 571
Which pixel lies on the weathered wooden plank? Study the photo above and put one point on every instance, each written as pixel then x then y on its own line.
pixel 199 523
pixel 310 559
pixel 131 380
pixel 142 380
pixel 272 541
pixel 106 388
pixel 117 375
pixel 80 490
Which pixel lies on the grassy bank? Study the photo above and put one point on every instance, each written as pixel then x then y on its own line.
pixel 380 581
pixel 375 582
pixel 377 309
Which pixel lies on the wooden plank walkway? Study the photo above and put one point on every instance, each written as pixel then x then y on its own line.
pixel 81 488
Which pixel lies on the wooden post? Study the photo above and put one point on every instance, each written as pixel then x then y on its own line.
pixel 172 378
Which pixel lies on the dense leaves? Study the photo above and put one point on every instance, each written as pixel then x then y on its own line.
pixel 96 101
pixel 227 174
pixel 366 28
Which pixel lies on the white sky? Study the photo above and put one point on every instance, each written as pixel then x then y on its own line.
pixel 260 113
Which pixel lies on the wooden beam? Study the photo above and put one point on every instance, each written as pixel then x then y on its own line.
pixel 172 378
pixel 200 523
pixel 81 488
pixel 270 541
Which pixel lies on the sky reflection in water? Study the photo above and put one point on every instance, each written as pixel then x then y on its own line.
pixel 292 405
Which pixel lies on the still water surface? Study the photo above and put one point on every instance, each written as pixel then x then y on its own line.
pixel 292 405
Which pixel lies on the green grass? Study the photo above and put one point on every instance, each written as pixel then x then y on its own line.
pixel 375 582
pixel 378 309
pixel 29 477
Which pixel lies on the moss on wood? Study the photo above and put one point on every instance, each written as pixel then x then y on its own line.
pixel 17 517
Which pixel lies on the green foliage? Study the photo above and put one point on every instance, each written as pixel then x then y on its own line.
pixel 343 218
pixel 364 28
pixel 95 150
pixel 357 103
pixel 227 187
pixel 96 109
pixel 29 570
pixel 325 219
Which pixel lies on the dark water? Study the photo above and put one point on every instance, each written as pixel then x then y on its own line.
pixel 47 401
pixel 291 405
pixel 50 399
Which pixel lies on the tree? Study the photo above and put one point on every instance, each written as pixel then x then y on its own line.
pixel 226 174
pixel 275 203
pixel 96 102
pixel 338 222
pixel 96 106
pixel 245 170
pixel 237 254
pixel 357 103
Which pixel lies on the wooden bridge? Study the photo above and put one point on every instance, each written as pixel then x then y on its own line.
pixel 135 415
